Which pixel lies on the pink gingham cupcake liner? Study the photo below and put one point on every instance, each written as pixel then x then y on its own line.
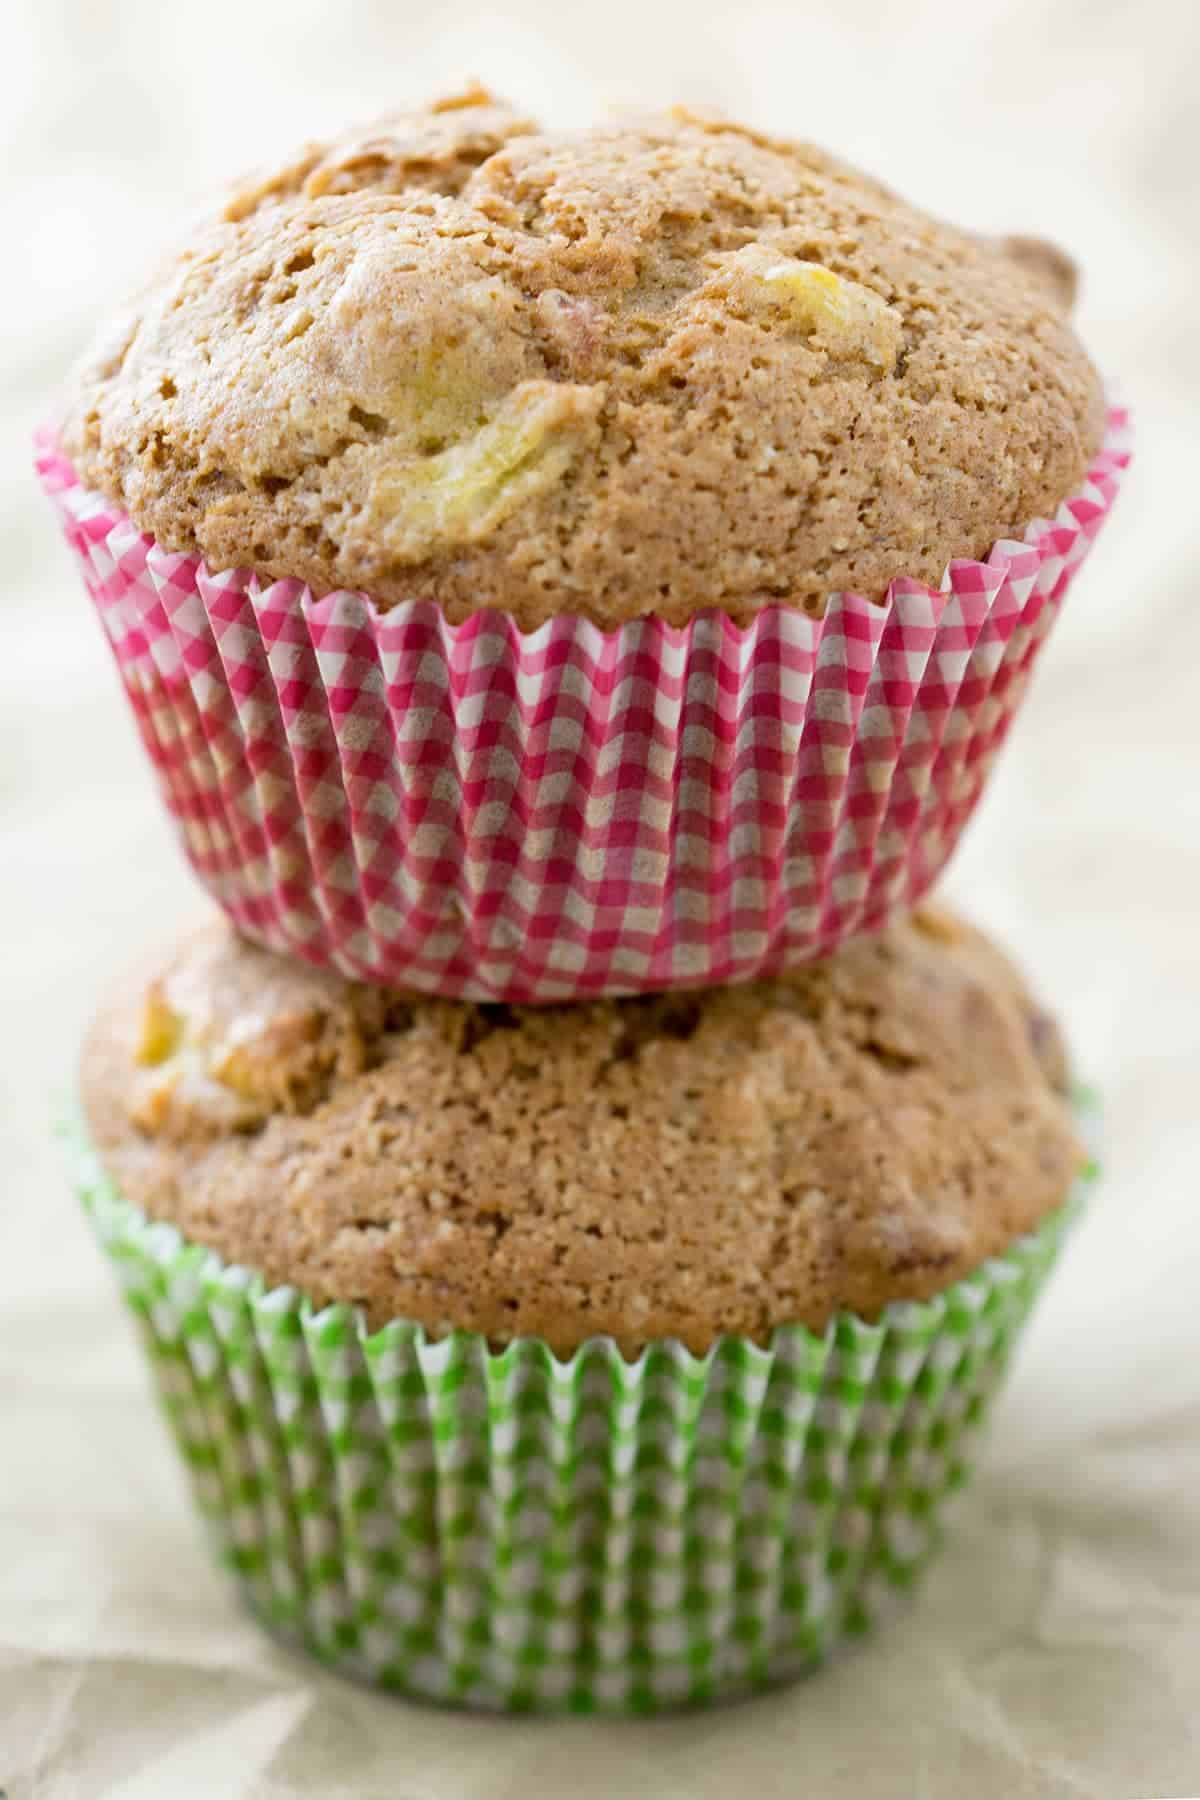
pixel 480 812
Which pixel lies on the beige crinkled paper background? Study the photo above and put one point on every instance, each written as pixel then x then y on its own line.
pixel 1056 1649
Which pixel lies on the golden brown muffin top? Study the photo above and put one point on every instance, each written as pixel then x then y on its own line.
pixel 868 1129
pixel 651 367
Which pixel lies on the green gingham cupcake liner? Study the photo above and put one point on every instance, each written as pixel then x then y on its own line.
pixel 498 1528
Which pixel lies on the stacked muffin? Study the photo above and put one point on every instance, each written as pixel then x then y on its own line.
pixel 580 1200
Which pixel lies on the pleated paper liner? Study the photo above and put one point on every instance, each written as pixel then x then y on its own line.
pixel 501 1529
pixel 469 810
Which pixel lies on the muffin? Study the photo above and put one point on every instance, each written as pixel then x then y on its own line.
pixel 557 564
pixel 606 1356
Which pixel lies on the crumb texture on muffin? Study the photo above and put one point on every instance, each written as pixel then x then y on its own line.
pixel 653 367
pixel 867 1129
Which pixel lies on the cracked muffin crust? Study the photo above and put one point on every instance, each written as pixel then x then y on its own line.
pixel 654 367
pixel 865 1130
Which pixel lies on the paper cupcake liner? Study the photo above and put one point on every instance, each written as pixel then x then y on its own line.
pixel 501 1529
pixel 474 811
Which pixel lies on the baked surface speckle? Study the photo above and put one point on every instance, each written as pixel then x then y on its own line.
pixel 645 368
pixel 867 1129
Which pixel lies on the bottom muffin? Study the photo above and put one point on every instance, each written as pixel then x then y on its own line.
pixel 604 1357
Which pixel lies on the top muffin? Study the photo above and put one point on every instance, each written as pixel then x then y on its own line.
pixel 654 367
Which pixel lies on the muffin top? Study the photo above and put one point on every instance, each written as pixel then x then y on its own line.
pixel 647 368
pixel 867 1129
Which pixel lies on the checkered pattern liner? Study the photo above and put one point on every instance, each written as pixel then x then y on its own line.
pixel 473 811
pixel 500 1529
